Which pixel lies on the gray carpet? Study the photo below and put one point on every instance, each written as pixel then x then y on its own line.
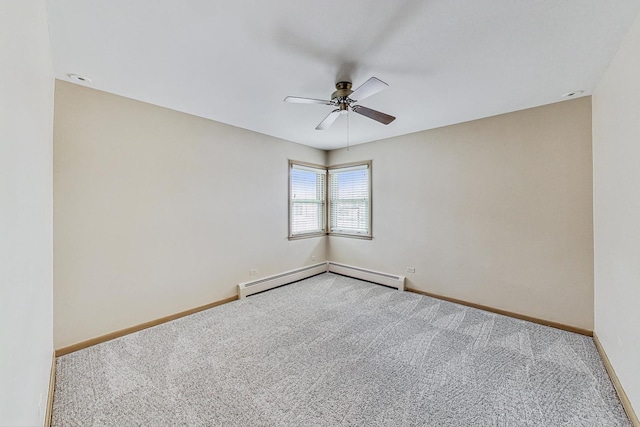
pixel 332 351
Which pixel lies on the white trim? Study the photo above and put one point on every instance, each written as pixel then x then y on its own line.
pixel 319 170
pixel 253 287
pixel 259 285
pixel 338 169
pixel 378 277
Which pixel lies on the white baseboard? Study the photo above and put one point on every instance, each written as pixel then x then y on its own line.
pixel 253 287
pixel 378 277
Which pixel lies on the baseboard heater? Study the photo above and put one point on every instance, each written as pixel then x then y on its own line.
pixel 249 288
pixel 368 275
pixel 253 287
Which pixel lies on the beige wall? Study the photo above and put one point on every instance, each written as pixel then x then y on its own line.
pixel 495 211
pixel 156 212
pixel 26 122
pixel 616 205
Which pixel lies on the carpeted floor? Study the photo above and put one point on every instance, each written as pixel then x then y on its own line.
pixel 331 351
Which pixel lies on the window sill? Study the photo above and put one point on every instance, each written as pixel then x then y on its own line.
pixel 352 236
pixel 306 236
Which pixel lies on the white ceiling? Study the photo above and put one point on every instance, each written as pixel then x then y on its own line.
pixel 446 61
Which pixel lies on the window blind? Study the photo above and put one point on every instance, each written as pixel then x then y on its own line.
pixel 307 200
pixel 349 200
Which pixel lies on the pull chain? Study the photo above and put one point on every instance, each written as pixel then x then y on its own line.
pixel 348 114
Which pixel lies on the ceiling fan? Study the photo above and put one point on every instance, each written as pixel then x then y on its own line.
pixel 344 98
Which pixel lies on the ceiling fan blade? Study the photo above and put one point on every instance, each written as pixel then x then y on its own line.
pixel 373 114
pixel 368 88
pixel 328 121
pixel 298 100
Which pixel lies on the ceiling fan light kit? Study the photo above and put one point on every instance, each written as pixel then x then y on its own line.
pixel 344 98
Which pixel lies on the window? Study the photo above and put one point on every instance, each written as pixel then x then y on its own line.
pixel 307 201
pixel 349 200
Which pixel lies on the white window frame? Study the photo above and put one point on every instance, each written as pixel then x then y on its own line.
pixel 322 231
pixel 327 201
pixel 347 232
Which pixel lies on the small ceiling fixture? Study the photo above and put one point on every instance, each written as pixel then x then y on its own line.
pixel 79 78
pixel 573 94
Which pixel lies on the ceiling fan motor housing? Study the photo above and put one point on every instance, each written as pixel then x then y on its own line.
pixel 343 90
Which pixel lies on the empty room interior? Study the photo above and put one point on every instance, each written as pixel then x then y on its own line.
pixel 319 213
